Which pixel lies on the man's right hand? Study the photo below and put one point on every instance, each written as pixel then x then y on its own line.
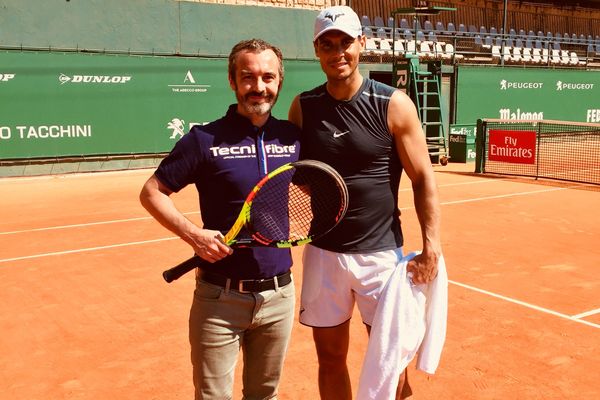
pixel 208 245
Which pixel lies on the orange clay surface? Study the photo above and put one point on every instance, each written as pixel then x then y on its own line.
pixel 85 314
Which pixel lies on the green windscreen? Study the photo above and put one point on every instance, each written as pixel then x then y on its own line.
pixel 73 104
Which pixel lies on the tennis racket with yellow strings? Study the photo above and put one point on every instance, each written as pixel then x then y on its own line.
pixel 292 205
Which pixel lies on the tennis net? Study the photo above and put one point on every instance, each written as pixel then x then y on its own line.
pixel 568 151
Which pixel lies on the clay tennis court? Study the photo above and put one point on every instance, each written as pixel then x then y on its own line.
pixel 85 314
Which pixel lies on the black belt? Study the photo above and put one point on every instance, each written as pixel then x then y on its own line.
pixel 245 285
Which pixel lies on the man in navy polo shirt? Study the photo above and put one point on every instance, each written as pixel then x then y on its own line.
pixel 243 298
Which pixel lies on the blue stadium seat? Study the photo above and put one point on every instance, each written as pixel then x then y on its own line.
pixel 488 42
pixel 518 42
pixel 427 26
pixel 529 43
pixel 365 20
pixel 380 33
pixel 417 25
pixel 391 23
pixel 451 30
pixel 378 21
pixel 440 29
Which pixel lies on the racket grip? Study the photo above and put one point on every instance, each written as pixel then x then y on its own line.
pixel 179 270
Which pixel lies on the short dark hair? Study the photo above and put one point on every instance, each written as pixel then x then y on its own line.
pixel 254 46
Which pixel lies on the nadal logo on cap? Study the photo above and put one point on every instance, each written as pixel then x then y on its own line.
pixel 338 18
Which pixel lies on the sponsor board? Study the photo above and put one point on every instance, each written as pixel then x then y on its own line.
pixel 516 147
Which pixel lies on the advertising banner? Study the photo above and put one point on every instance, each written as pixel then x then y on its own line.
pixel 527 94
pixel 517 147
pixel 461 143
pixel 78 104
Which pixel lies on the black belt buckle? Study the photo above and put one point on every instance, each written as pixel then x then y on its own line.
pixel 255 283
pixel 245 285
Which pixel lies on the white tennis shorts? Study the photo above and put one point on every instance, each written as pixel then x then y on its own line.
pixel 332 282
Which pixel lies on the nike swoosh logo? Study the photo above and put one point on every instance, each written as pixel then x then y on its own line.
pixel 338 134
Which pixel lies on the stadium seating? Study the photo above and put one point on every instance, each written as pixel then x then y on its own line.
pixel 460 42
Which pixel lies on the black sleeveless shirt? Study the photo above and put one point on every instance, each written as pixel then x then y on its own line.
pixel 353 137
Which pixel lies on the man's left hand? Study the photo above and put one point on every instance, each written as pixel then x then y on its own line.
pixel 424 268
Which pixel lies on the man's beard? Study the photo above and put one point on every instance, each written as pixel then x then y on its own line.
pixel 256 108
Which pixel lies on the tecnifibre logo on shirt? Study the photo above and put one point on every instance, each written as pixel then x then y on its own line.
pixel 272 150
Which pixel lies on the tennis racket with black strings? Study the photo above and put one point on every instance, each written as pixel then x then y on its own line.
pixel 292 205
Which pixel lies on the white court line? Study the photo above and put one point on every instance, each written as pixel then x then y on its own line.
pixel 460 184
pixel 110 246
pixel 575 318
pixel 524 304
pixel 70 175
pixel 587 313
pixel 196 212
pixel 114 221
pixel 511 300
pixel 500 196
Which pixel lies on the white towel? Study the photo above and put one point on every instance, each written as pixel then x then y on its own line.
pixel 409 319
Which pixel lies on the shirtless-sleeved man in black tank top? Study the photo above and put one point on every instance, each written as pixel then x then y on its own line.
pixel 370 133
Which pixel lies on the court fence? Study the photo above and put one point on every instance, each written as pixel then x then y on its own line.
pixel 559 150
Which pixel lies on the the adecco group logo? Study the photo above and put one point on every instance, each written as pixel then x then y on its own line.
pixel 106 79
pixel 509 85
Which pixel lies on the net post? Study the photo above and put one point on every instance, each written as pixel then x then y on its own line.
pixel 479 146
pixel 538 141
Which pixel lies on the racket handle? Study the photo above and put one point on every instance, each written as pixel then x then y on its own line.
pixel 179 270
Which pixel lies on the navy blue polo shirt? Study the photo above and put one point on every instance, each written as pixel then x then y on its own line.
pixel 225 159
